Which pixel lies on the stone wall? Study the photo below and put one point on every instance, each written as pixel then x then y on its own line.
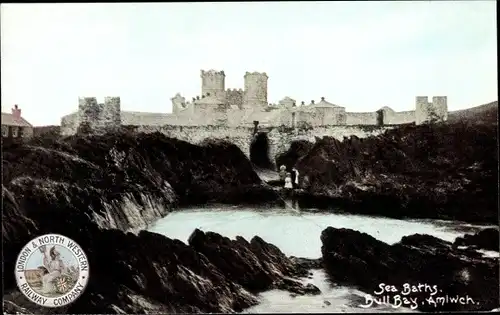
pixel 367 118
pixel 143 118
pixel 240 136
pixel 235 97
pixel 330 116
pixel 390 117
pixel 280 138
pixel 69 124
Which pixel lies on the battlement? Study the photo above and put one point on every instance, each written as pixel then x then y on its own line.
pixel 212 82
pixel 234 90
pixel 212 72
pixel 435 99
pixel 97 117
pixel 111 100
pixel 87 101
pixel 426 111
pixel 439 99
pixel 91 100
pixel 255 73
pixel 422 99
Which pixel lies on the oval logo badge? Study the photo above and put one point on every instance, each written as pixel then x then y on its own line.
pixel 52 270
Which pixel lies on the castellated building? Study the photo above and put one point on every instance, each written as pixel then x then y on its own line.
pixel 218 106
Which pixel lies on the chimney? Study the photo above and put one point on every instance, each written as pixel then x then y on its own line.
pixel 16 112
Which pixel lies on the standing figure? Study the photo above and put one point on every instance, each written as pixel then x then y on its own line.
pixel 282 173
pixel 295 178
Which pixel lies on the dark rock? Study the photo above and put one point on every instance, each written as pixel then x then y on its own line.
pixel 78 186
pixel 16 230
pixel 354 258
pixel 297 150
pixel 104 168
pixel 486 239
pixel 308 263
pixel 256 266
pixel 437 171
pixel 152 273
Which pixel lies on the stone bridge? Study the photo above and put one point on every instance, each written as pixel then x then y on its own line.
pixel 268 140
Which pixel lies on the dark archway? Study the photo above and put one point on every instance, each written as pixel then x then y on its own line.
pixel 259 151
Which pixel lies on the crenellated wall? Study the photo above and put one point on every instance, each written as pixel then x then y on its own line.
pixel 253 106
pixel 98 117
pixel 435 111
pixel 230 114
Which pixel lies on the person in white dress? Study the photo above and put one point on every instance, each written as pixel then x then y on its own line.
pixel 288 181
pixel 282 173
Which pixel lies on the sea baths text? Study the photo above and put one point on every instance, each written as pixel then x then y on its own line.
pixel 412 296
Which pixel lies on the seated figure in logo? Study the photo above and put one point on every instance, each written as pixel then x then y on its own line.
pixel 55 267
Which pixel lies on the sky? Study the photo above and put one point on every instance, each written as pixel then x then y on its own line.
pixel 361 55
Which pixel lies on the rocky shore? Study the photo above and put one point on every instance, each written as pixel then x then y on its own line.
pixel 97 190
pixel 148 272
pixel 421 267
pixel 488 239
pixel 101 190
pixel 442 171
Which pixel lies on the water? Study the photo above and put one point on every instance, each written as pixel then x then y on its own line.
pixel 298 234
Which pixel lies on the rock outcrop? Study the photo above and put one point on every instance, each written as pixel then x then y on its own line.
pixel 123 181
pixel 297 150
pixel 429 171
pixel 151 273
pixel 486 239
pixel 355 258
pixel 93 189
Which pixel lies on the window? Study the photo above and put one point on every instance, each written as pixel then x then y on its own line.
pixel 21 132
pixel 14 132
pixel 5 131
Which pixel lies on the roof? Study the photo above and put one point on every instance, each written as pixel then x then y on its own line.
pixel 9 120
pixel 323 103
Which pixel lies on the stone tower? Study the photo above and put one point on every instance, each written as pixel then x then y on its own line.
pixel 425 112
pixel 213 82
pixel 255 89
pixel 98 118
